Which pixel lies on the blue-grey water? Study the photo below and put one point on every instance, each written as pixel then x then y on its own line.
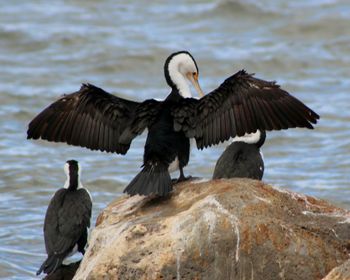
pixel 48 48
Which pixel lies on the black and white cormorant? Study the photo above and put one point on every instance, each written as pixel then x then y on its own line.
pixel 242 158
pixel 67 220
pixel 98 120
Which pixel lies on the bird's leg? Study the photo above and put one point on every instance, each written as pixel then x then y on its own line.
pixel 182 176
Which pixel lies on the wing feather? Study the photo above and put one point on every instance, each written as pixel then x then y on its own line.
pixel 100 133
pixel 245 104
pixel 93 118
pixel 233 123
pixel 239 120
pixel 216 127
pixel 86 140
pixel 222 125
pixel 58 126
pixel 70 126
pixel 270 115
pixel 82 134
pixel 282 122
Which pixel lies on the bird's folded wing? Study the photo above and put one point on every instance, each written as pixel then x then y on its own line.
pixel 73 221
pixel 52 221
pixel 241 104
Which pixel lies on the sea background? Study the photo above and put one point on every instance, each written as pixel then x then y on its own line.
pixel 48 48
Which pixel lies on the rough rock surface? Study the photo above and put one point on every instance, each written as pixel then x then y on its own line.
pixel 221 229
pixel 341 272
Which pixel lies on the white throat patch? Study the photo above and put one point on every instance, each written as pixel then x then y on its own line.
pixel 174 165
pixel 178 66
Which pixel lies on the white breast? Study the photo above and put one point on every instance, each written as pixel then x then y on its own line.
pixel 174 165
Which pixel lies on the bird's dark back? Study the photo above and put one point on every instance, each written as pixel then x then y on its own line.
pixel 66 209
pixel 240 160
pixel 162 141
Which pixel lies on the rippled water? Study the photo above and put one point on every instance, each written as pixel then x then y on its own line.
pixel 51 47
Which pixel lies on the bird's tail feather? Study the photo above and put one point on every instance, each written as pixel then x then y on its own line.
pixel 153 179
pixel 50 265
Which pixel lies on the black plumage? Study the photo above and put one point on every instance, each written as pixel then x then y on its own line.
pixel 243 104
pixel 64 272
pixel 67 220
pixel 241 159
pixel 97 120
pixel 163 146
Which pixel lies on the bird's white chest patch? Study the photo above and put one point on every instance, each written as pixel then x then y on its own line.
pixel 88 194
pixel 73 256
pixel 174 165
pixel 262 155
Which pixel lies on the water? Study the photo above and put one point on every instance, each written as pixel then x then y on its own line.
pixel 51 47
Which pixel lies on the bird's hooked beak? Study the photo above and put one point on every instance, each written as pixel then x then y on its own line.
pixel 193 78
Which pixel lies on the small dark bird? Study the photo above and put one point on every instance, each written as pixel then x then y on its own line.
pixel 98 120
pixel 67 220
pixel 242 158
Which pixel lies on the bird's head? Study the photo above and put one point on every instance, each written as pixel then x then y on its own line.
pixel 179 69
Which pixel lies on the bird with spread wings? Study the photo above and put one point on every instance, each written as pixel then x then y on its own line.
pixel 98 120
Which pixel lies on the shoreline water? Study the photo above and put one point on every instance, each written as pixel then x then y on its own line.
pixel 50 49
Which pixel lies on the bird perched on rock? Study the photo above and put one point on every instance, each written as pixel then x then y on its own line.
pixel 242 158
pixel 98 120
pixel 67 220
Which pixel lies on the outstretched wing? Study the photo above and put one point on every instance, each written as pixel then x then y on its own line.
pixel 241 104
pixel 91 118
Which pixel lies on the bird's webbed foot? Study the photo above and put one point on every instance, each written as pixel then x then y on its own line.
pixel 181 178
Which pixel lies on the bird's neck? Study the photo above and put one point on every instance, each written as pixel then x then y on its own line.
pixel 73 183
pixel 180 83
pixel 257 138
pixel 262 139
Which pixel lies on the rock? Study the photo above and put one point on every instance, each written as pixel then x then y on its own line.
pixel 221 229
pixel 341 272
